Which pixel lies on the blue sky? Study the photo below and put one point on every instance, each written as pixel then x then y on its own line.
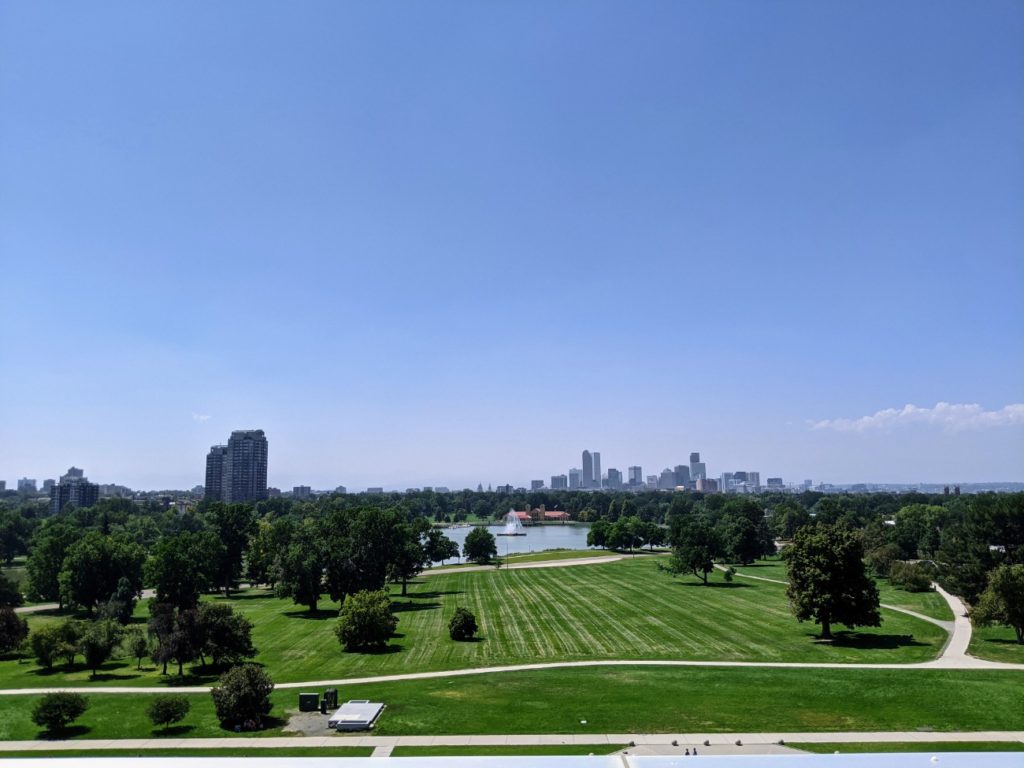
pixel 449 243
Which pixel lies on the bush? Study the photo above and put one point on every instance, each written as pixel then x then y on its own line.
pixel 243 697
pixel 166 710
pixel 463 625
pixel 45 643
pixel 13 630
pixel 56 711
pixel 912 577
pixel 365 621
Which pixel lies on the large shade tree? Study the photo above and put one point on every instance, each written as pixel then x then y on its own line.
pixel 828 581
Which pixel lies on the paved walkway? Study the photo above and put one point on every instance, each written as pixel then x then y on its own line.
pixel 719 743
pixel 38 607
pixel 523 566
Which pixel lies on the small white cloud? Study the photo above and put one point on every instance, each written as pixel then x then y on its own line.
pixel 952 417
pixel 200 417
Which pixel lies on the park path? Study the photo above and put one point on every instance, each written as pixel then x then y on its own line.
pixel 38 607
pixel 720 743
pixel 524 566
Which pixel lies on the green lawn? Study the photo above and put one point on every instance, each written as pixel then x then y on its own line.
pixel 997 644
pixel 508 749
pixel 186 752
pixel 912 746
pixel 623 610
pixel 617 700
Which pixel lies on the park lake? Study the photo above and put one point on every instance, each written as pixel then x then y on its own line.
pixel 537 539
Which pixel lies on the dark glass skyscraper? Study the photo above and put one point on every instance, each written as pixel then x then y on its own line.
pixel 238 471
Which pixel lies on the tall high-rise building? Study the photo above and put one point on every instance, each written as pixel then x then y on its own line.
pixel 597 470
pixel 588 470
pixel 636 477
pixel 27 485
pixel 536 485
pixel 238 471
pixel 74 489
pixel 559 482
pixel 697 468
pixel 667 481
pixel 614 480
pixel 682 474
pixel 214 488
pixel 575 479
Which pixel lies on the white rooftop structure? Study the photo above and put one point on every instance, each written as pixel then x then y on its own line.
pixel 355 715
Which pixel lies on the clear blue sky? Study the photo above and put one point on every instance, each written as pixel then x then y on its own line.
pixel 443 243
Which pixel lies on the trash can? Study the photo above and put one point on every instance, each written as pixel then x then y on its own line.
pixel 331 694
pixel 308 702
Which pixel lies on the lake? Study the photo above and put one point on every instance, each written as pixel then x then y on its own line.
pixel 537 538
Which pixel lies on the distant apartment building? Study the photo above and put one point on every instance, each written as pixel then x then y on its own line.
pixel 559 482
pixel 48 484
pixel 74 489
pixel 505 489
pixel 341 489
pixel 237 472
pixel 375 489
pixel 652 481
pixel 441 489
pixel 536 485
pixel 614 479
pixel 302 493
pixel 775 484
pixel 3 486
pixel 667 481
pixel 706 485
pixel 636 477
pixel 27 485
pixel 575 479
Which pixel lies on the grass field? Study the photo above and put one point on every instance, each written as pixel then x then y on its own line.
pixel 616 700
pixel 912 746
pixel 508 749
pixel 997 644
pixel 186 752
pixel 622 610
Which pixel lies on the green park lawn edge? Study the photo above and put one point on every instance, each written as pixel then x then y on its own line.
pixel 908 746
pixel 192 752
pixel 501 750
pixel 617 699
pixel 997 643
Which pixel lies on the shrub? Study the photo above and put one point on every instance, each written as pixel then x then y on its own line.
pixel 462 625
pixel 912 577
pixel 243 697
pixel 56 711
pixel 365 621
pixel 166 710
pixel 13 630
pixel 99 641
pixel 45 643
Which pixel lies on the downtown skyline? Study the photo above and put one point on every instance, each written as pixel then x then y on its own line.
pixel 451 246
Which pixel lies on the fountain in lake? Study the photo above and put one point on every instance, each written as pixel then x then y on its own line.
pixel 513 525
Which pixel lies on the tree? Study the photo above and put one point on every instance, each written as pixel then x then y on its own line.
pixel 597 536
pixel 93 566
pixel 99 641
pixel 137 644
pixel 480 546
pixel 243 697
pixel 167 710
pixel 227 637
pixel 828 582
pixel 175 635
pixel 462 625
pixel 234 525
pixel 302 566
pixel 1002 602
pixel 695 545
pixel 439 547
pixel 10 595
pixel 121 604
pixel 410 556
pixel 13 630
pixel 45 644
pixel 365 621
pixel 70 632
pixel 182 567
pixel 56 711
pixel 742 543
pixel 49 546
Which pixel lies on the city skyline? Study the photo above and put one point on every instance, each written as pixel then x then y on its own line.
pixel 458 243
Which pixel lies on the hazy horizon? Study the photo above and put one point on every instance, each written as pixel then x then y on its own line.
pixel 457 243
